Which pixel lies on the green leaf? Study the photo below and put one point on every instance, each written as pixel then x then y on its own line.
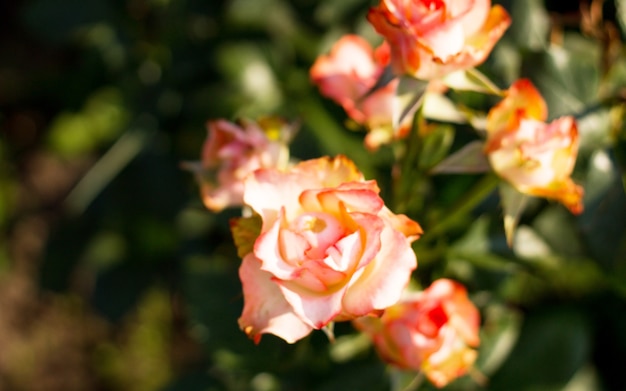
pixel 439 107
pixel 567 76
pixel 557 226
pixel 436 145
pixel 471 80
pixel 479 248
pixel 531 25
pixel 603 221
pixel 468 159
pixel 499 332
pixel 553 345
pixel 513 204
pixel 348 347
pixel 529 246
pixel 409 96
pixel 245 230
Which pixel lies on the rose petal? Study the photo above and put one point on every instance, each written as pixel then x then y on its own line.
pixel 316 310
pixel 522 101
pixel 444 41
pixel 380 284
pixel 265 309
pixel 267 191
pixel 353 196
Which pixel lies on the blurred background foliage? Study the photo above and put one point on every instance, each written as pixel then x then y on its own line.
pixel 114 277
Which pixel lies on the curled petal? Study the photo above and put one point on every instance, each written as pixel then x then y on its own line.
pixel 265 308
pixel 328 247
pixel 230 153
pixel 317 310
pixel 379 284
pixel 566 192
pixel 353 196
pixel 269 191
pixel 355 76
pixel 431 331
pixel 461 311
pixel 401 223
pixel 429 39
pixel 275 258
pixel 522 101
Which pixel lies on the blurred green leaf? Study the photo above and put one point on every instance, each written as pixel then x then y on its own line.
pixel 553 345
pixel 441 108
pixel 557 226
pixel 567 77
pixel 245 231
pixel 471 80
pixel 101 120
pixel 408 97
pixel 478 247
pixel 144 349
pixel 499 333
pixel 470 158
pixel 436 144
pixel 531 24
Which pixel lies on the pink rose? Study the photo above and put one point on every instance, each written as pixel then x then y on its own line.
pixel 535 157
pixel 347 74
pixel 329 250
pixel 431 331
pixel 431 38
pixel 232 151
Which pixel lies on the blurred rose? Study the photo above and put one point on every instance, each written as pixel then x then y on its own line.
pixel 347 74
pixel 232 151
pixel 431 331
pixel 431 38
pixel 329 250
pixel 535 157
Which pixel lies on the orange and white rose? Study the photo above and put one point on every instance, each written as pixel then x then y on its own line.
pixel 433 331
pixel 232 151
pixel 347 75
pixel 535 157
pixel 329 249
pixel 432 38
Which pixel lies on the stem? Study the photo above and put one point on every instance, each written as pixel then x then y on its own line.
pixel 415 383
pixel 465 205
pixel 407 162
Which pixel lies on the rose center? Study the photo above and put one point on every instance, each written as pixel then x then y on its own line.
pixel 433 5
pixel 320 230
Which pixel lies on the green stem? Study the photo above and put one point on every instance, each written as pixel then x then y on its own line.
pixel 415 383
pixel 407 163
pixel 465 205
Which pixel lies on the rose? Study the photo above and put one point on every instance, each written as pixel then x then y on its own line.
pixel 348 74
pixel 535 157
pixel 431 331
pixel 232 151
pixel 328 249
pixel 431 38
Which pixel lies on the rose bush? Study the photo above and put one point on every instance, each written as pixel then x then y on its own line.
pixel 535 157
pixel 432 331
pixel 347 74
pixel 431 38
pixel 232 151
pixel 328 249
